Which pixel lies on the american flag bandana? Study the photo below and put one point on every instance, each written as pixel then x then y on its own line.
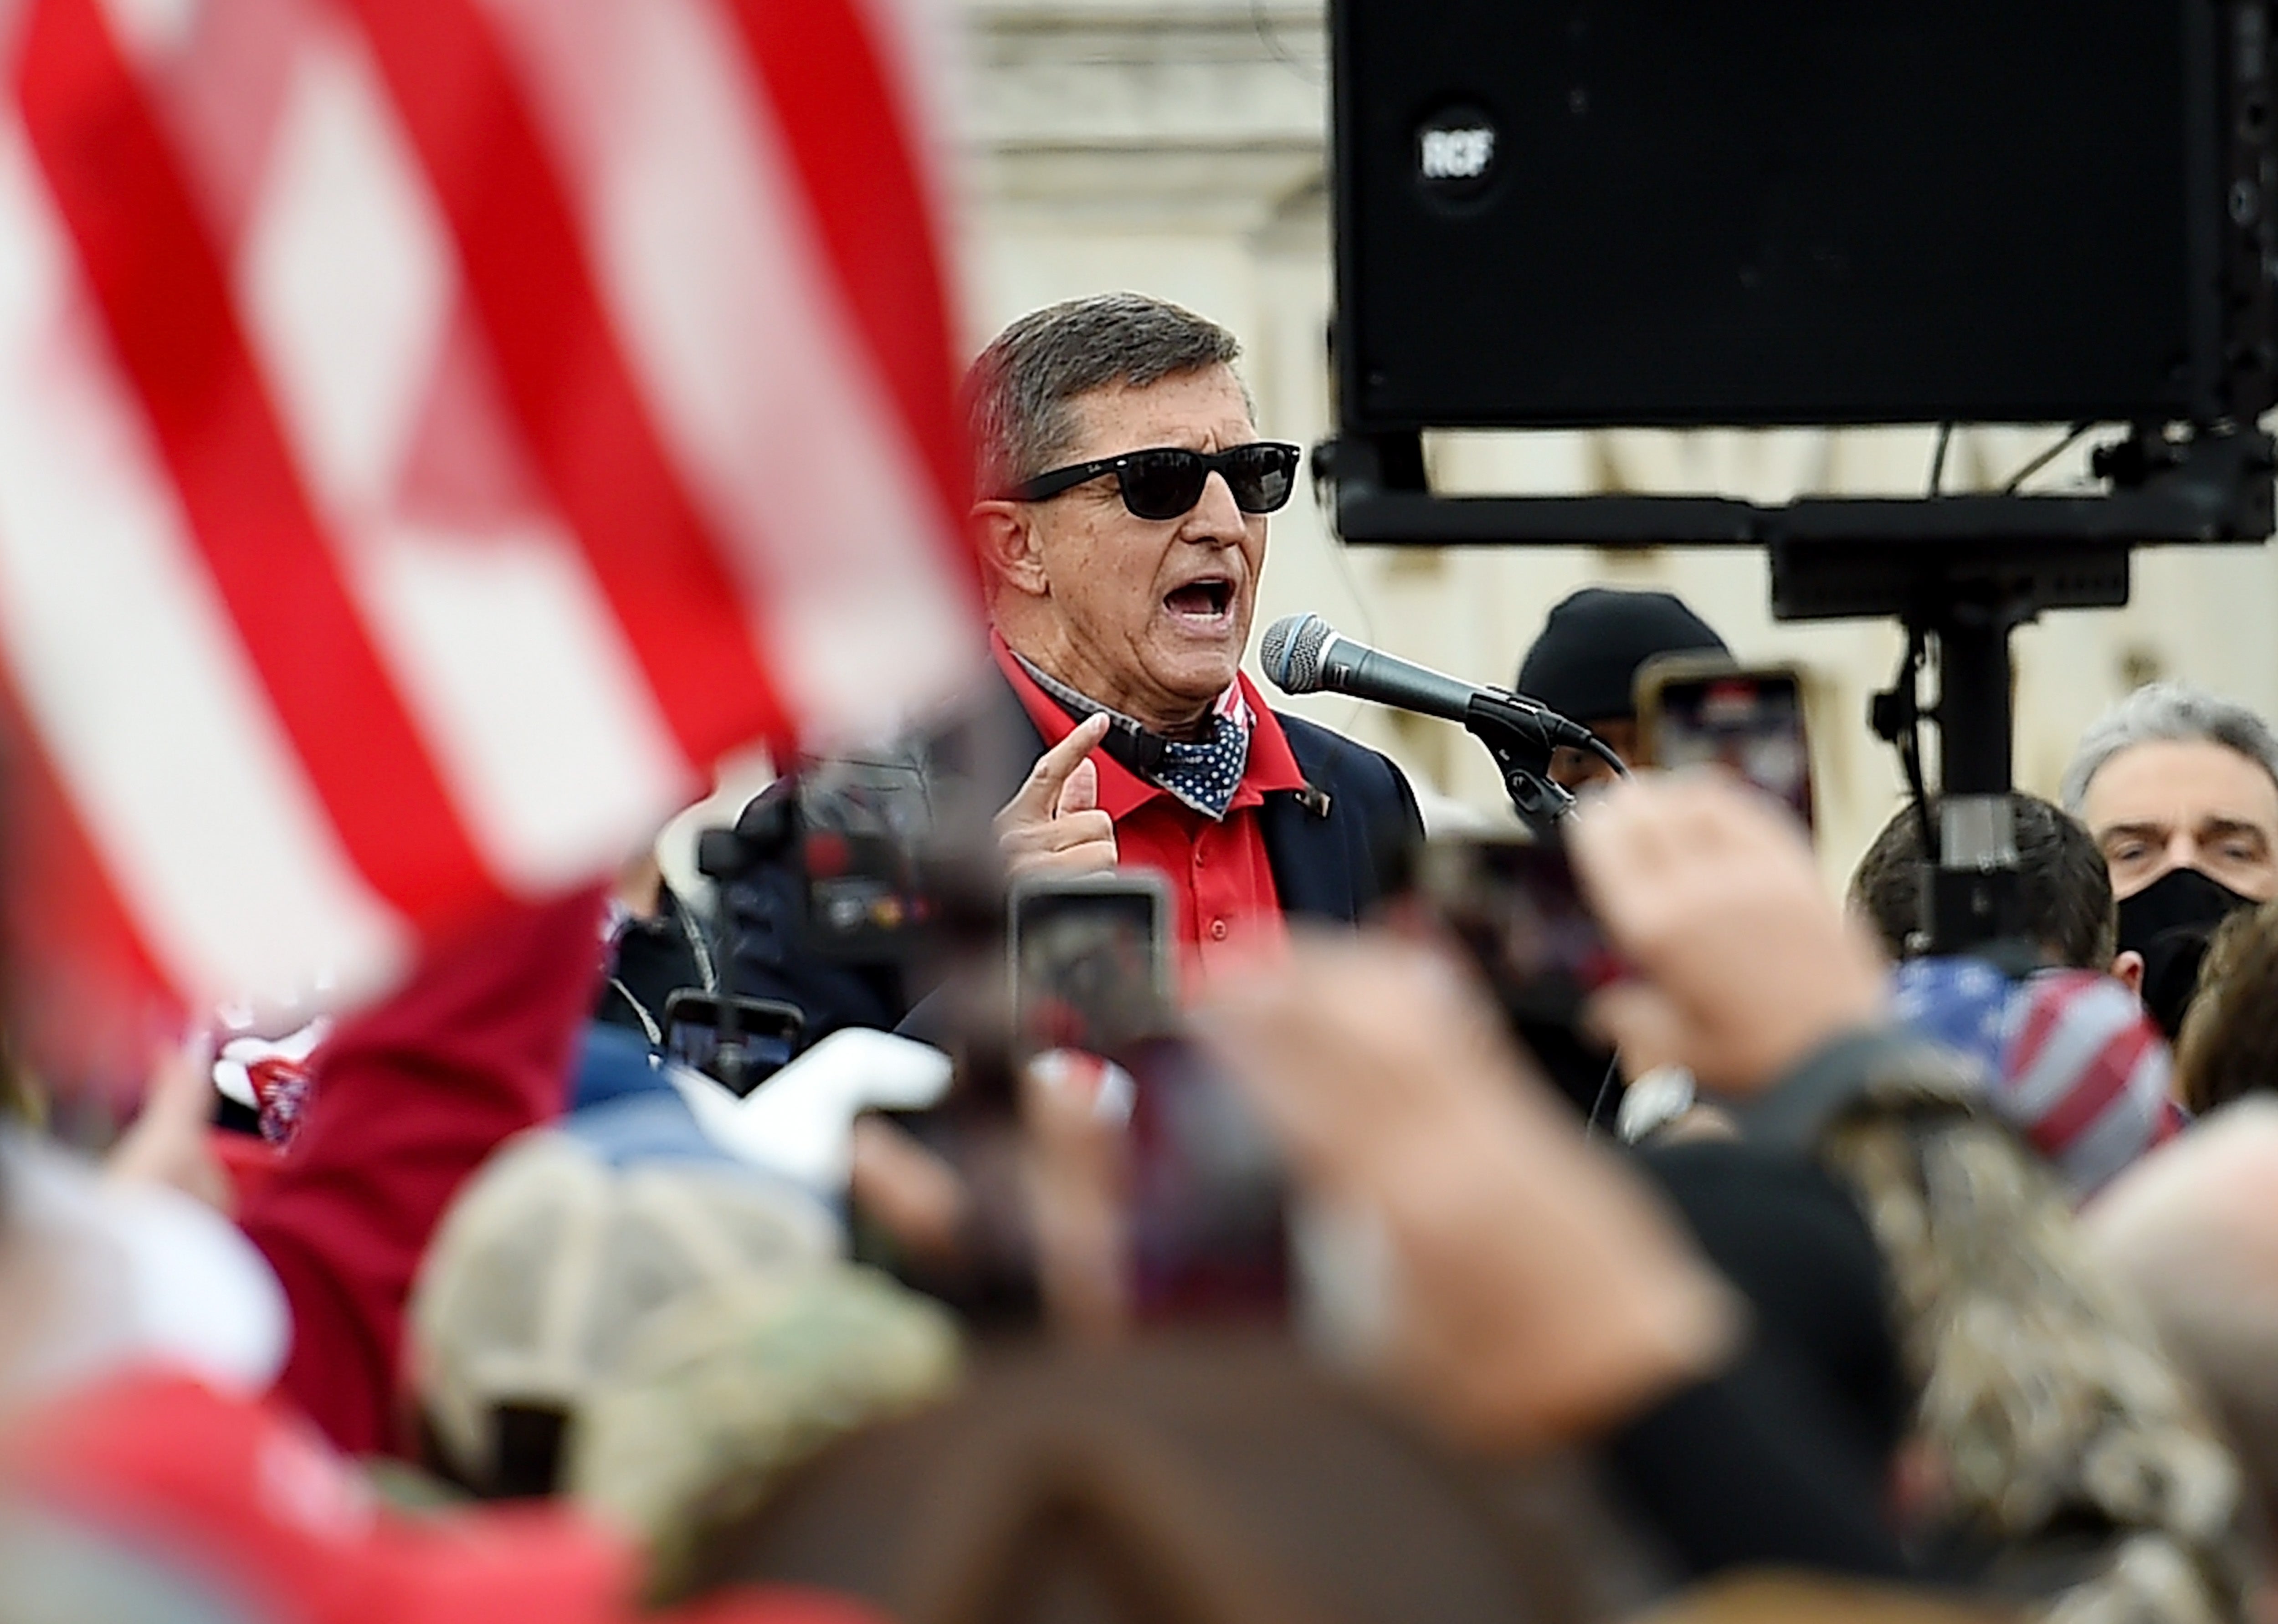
pixel 2070 1059
pixel 1202 773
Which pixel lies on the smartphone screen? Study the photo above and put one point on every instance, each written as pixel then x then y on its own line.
pixel 1516 910
pixel 1748 721
pixel 1090 962
pixel 766 1035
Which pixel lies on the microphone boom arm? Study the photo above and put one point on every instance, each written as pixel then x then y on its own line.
pixel 1514 736
pixel 1303 654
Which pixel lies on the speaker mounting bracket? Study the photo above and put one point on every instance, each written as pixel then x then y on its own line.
pixel 2215 486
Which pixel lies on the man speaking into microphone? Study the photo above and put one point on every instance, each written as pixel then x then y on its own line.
pixel 1125 495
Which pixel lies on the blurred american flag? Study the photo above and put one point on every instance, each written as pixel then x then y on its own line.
pixel 431 432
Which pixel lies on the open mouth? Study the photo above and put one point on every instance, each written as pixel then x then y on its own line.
pixel 1207 599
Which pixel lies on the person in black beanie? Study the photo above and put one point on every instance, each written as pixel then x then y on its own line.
pixel 1584 665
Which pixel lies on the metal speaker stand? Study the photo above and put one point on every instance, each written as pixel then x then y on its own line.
pixel 1963 602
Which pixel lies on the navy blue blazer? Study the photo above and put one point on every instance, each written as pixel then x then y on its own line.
pixel 1334 847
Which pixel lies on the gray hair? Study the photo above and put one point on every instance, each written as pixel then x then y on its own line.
pixel 1020 392
pixel 2182 712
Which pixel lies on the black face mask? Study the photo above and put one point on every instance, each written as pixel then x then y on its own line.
pixel 2169 922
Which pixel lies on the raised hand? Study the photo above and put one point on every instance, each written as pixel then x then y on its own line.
pixel 1537 1290
pixel 168 1143
pixel 1053 824
pixel 1746 964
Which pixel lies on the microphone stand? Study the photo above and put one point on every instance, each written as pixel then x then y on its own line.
pixel 1513 735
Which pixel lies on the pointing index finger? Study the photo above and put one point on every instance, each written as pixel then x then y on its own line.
pixel 1039 794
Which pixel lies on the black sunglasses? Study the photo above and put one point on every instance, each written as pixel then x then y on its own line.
pixel 1166 482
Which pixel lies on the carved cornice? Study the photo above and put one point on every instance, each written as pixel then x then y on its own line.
pixel 1186 113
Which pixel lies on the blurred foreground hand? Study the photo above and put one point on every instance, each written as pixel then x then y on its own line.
pixel 1746 963
pixel 169 1141
pixel 1538 1292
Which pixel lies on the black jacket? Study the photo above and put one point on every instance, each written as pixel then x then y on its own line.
pixel 654 959
pixel 1334 847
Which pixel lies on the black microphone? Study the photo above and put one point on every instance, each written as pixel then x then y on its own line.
pixel 1304 654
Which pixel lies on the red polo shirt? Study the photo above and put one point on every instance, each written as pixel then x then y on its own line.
pixel 1220 882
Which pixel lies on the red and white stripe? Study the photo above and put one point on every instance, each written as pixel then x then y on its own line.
pixel 432 430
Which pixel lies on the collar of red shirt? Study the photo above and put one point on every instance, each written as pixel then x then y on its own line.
pixel 1271 766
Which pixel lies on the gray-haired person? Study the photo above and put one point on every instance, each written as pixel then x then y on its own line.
pixel 2179 788
pixel 1124 492
pixel 1123 495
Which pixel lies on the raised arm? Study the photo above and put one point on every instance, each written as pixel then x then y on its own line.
pixel 409 1097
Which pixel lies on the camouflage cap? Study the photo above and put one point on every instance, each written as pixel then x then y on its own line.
pixel 722 1393
pixel 553 1262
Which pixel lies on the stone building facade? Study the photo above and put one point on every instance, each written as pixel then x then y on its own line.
pixel 1179 147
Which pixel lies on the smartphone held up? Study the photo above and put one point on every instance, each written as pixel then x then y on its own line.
pixel 1089 971
pixel 1748 720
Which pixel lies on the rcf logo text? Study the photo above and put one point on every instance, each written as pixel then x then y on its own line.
pixel 1455 154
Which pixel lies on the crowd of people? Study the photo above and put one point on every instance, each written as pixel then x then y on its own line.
pixel 1795 1269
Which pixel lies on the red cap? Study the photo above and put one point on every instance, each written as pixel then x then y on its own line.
pixel 256 1500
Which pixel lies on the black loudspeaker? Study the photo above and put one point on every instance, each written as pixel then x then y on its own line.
pixel 1580 213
